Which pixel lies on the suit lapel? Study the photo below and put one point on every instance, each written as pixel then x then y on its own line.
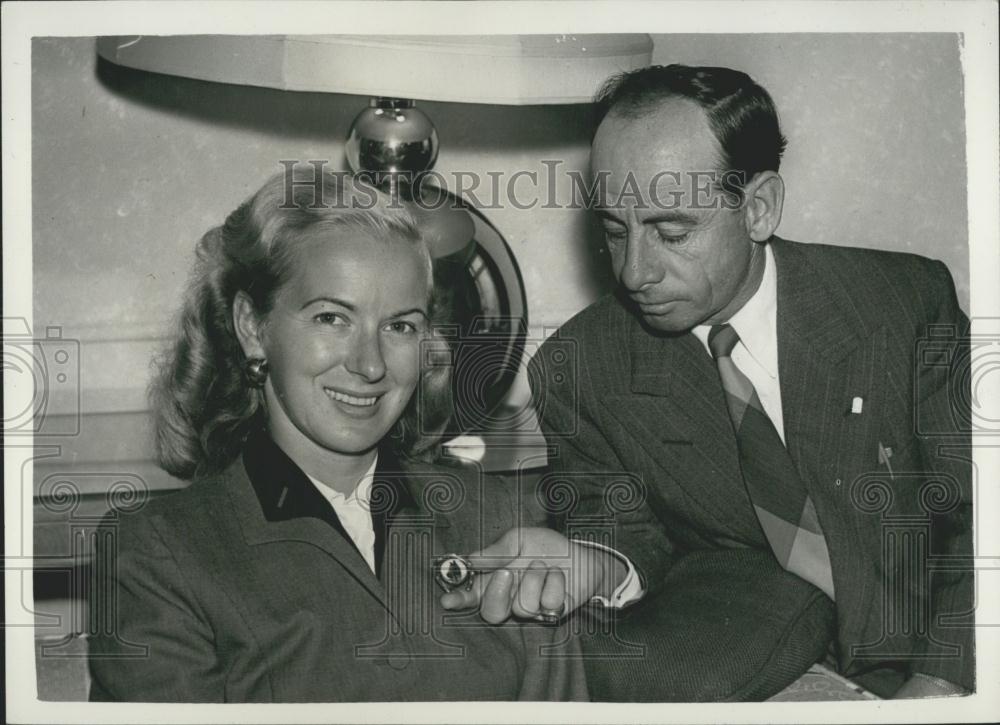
pixel 816 340
pixel 309 530
pixel 677 413
pixel 828 358
pixel 275 502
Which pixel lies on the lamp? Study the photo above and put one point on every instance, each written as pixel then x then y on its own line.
pixel 501 69
pixel 394 143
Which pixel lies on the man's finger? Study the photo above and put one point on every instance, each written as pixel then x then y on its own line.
pixel 467 599
pixel 490 559
pixel 529 592
pixel 497 598
pixel 498 554
pixel 553 594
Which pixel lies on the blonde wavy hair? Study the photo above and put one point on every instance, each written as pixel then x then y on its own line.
pixel 204 407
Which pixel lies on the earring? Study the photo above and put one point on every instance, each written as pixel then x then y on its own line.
pixel 255 370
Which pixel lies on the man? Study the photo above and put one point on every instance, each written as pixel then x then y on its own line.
pixel 765 394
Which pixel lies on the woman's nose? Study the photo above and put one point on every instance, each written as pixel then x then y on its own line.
pixel 366 358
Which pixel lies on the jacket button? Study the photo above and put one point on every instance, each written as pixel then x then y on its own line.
pixel 837 482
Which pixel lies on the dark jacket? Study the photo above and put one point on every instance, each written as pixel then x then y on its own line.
pixel 244 588
pixel 622 403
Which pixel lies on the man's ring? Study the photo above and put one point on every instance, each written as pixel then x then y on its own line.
pixel 551 616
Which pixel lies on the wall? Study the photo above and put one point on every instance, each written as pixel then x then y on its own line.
pixel 130 168
pixel 876 135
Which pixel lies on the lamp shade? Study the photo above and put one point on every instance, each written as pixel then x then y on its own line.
pixel 500 69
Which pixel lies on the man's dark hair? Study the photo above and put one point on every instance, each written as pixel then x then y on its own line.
pixel 740 113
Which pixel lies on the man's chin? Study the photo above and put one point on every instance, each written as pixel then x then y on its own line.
pixel 672 324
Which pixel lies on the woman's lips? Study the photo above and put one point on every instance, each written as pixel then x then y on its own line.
pixel 354 406
pixel 362 401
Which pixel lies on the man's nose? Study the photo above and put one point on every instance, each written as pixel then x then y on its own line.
pixel 366 357
pixel 640 267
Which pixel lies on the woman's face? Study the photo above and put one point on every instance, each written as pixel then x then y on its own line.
pixel 343 343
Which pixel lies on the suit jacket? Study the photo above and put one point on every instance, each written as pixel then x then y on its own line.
pixel 624 404
pixel 244 588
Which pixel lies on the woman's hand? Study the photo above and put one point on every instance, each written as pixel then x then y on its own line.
pixel 531 572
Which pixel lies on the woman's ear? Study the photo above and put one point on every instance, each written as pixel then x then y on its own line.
pixel 247 324
pixel 764 197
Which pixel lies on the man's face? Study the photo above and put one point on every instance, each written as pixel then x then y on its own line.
pixel 678 247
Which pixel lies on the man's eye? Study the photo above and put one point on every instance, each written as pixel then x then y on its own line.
pixel 615 235
pixel 674 238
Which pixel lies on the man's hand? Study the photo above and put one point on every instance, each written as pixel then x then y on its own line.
pixel 531 571
pixel 921 685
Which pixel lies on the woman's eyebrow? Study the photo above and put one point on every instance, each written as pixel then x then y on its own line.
pixel 333 300
pixel 411 311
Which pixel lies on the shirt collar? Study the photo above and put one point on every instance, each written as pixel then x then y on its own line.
pixel 361 493
pixel 285 492
pixel 756 322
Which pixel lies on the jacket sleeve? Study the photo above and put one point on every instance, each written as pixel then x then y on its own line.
pixel 151 642
pixel 942 397
pixel 588 492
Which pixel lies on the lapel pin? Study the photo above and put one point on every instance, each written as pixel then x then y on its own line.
pixel 857 404
pixel 884 454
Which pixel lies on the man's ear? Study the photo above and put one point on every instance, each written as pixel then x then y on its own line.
pixel 247 324
pixel 764 196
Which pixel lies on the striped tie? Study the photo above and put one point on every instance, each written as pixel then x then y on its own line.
pixel 784 508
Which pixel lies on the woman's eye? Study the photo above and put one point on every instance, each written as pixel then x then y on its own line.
pixel 402 327
pixel 329 318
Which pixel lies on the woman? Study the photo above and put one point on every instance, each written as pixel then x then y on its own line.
pixel 297 566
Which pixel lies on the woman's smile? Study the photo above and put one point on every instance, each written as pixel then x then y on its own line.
pixel 343 345
pixel 355 406
pixel 357 400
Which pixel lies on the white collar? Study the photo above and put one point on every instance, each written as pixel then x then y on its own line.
pixel 756 322
pixel 361 493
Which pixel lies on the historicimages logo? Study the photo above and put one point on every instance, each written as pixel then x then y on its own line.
pixel 42 381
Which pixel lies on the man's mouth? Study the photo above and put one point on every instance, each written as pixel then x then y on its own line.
pixel 361 401
pixel 656 309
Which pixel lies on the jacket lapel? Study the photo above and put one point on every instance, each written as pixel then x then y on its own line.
pixel 822 340
pixel 677 413
pixel 275 502
pixel 828 358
